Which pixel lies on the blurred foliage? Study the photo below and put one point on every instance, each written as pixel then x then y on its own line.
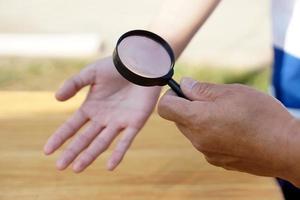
pixel 257 77
pixel 48 74
pixel 36 74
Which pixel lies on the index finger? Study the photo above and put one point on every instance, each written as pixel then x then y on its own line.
pixel 172 107
pixel 65 131
pixel 180 110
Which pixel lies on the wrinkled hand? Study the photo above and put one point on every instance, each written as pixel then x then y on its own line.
pixel 234 126
pixel 113 105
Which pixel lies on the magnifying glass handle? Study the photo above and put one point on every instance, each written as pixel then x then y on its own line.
pixel 176 88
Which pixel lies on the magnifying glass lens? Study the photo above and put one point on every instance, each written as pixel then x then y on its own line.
pixel 144 56
pixel 146 59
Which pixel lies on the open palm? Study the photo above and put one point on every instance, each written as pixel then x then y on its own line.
pixel 113 105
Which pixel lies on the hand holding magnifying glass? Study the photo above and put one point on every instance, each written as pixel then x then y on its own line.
pixel 145 59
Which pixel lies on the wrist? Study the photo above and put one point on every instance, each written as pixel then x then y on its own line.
pixel 292 171
pixel 155 92
pixel 151 93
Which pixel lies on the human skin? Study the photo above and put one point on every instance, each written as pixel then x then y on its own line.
pixel 144 56
pixel 237 128
pixel 110 106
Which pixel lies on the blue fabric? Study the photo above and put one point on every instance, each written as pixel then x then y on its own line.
pixel 286 78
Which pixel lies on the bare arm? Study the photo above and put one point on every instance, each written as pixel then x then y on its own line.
pixel 179 20
pixel 293 156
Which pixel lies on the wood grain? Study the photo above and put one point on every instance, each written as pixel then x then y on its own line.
pixel 160 165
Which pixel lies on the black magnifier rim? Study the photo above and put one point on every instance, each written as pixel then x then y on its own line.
pixel 135 78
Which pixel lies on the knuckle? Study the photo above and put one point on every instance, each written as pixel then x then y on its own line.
pixel 70 152
pixel 124 143
pixel 200 87
pixel 84 138
pixel 77 82
pixel 82 113
pixel 204 89
pixel 68 126
pixel 102 144
pixel 96 124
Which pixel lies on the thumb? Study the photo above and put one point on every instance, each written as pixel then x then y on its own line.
pixel 195 90
pixel 71 86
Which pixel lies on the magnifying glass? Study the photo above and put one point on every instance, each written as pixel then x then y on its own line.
pixel 145 59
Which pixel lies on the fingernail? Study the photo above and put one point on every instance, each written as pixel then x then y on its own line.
pixel 188 83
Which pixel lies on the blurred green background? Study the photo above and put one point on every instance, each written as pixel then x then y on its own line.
pixel 47 74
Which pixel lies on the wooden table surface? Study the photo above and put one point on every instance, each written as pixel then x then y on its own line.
pixel 160 165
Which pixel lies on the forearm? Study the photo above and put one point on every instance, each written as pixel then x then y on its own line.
pixel 292 173
pixel 179 20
